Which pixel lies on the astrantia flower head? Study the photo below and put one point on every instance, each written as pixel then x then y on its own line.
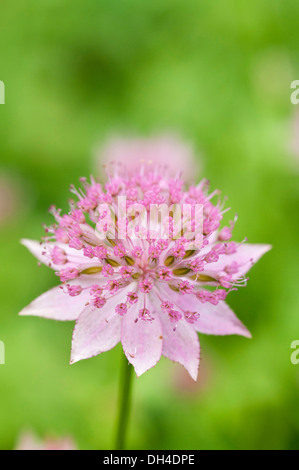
pixel 136 269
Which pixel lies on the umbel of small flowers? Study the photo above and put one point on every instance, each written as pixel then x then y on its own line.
pixel 151 294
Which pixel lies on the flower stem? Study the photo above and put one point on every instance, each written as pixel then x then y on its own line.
pixel 124 403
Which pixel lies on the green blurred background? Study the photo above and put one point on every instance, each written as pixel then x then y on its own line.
pixel 217 73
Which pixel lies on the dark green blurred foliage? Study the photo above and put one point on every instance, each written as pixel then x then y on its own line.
pixel 218 73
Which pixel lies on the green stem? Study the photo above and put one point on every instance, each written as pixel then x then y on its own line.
pixel 124 403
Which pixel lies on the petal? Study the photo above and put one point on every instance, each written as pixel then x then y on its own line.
pixel 75 258
pixel 181 345
pixel 219 320
pixel 98 330
pixel 246 256
pixel 214 319
pixel 141 340
pixel 57 305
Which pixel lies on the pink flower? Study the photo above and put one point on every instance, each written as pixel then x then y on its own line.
pixel 29 441
pixel 152 295
pixel 166 151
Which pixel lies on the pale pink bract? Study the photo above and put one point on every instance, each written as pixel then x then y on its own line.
pixel 152 295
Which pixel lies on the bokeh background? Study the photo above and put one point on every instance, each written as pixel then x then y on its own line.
pixel 218 74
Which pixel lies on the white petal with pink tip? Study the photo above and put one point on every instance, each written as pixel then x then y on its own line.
pixel 219 320
pixel 246 256
pixel 214 319
pixel 181 345
pixel 55 304
pixel 75 258
pixel 141 340
pixel 97 330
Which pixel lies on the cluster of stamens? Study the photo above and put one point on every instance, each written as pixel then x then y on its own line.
pixel 144 258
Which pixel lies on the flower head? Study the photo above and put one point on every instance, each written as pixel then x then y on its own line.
pixel 150 282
